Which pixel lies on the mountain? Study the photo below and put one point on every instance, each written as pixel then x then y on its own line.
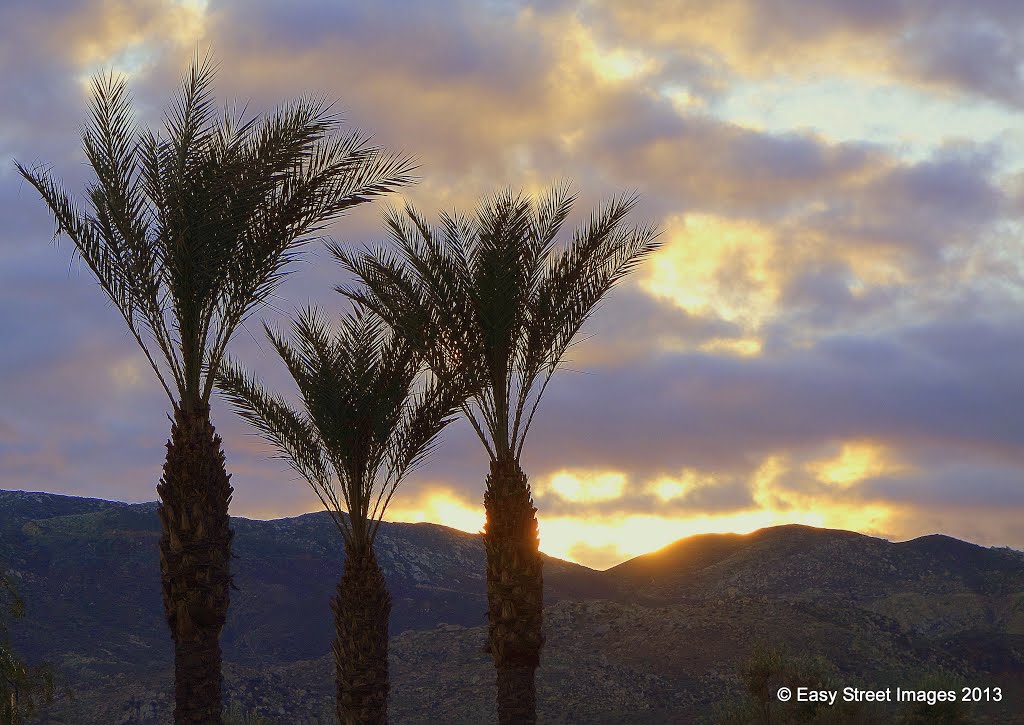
pixel 655 639
pixel 808 563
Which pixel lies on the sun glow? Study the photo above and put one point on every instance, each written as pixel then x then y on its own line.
pixel 669 488
pixel 585 486
pixel 743 346
pixel 601 542
pixel 856 461
pixel 713 266
pixel 440 506
pixel 600 537
pixel 611 65
pixel 126 374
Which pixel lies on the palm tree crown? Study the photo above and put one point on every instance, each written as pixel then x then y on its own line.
pixel 495 298
pixel 187 231
pixel 367 418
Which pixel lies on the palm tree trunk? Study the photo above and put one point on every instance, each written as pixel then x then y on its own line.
pixel 515 590
pixel 361 610
pixel 195 554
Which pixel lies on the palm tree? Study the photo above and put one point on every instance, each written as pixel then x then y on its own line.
pixel 365 424
pixel 188 231
pixel 495 298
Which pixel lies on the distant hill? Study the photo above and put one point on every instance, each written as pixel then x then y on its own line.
pixel 655 639
pixel 803 562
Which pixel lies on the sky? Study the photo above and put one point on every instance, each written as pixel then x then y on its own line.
pixel 832 333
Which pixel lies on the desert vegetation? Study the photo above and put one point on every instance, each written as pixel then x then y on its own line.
pixel 771 665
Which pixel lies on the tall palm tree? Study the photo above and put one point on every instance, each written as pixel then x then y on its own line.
pixel 364 425
pixel 496 298
pixel 187 231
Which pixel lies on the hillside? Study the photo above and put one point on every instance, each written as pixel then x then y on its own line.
pixel 656 639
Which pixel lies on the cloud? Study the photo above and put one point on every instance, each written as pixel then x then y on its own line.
pixel 829 298
pixel 907 387
pixel 943 46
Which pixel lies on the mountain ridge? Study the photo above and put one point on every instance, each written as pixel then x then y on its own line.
pixel 97 505
pixel 654 639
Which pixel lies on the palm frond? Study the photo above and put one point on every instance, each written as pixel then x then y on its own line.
pixel 104 264
pixel 292 433
pixel 492 303
pixel 365 422
pixel 191 229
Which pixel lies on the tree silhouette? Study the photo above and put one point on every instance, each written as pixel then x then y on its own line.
pixel 498 300
pixel 188 231
pixel 365 424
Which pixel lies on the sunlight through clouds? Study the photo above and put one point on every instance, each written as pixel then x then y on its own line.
pixel 129 373
pixel 911 122
pixel 584 486
pixel 744 347
pixel 603 541
pixel 855 462
pixel 600 538
pixel 711 265
pixel 440 506
pixel 610 64
pixel 134 40
pixel 675 487
pixel 828 330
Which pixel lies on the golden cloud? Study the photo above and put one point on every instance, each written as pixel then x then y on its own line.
pixel 603 537
pixel 579 486
pixel 856 461
pixel 668 488
pixel 718 267
pixel 797 40
pixel 128 37
pixel 439 505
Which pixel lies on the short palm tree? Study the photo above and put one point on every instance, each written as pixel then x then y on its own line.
pixel 188 231
pixel 365 423
pixel 497 299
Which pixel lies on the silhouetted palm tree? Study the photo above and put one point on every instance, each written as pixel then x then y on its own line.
pixel 365 424
pixel 187 233
pixel 497 299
